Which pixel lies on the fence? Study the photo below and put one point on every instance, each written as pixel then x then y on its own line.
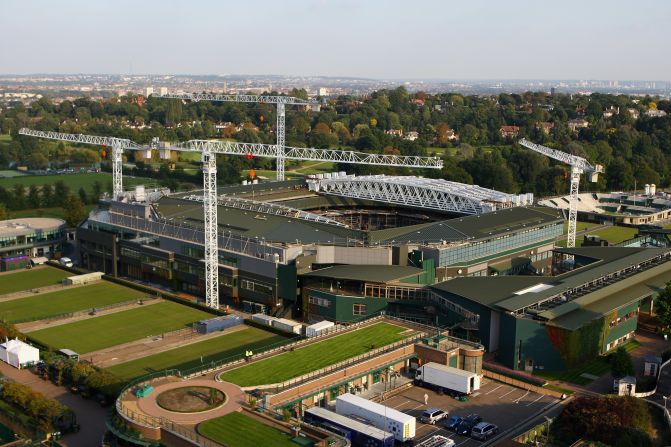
pixel 521 384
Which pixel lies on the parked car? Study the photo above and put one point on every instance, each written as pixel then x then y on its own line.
pixel 433 415
pixel 484 431
pixel 465 427
pixel 453 422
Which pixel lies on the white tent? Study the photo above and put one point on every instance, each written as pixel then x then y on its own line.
pixel 18 354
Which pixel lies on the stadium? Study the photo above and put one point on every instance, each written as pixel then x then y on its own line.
pixel 329 230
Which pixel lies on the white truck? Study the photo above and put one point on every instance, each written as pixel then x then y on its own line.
pixel 447 379
pixel 401 425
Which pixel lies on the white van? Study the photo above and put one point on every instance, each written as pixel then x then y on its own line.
pixel 67 262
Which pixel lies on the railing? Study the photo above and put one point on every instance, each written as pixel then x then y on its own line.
pixel 279 387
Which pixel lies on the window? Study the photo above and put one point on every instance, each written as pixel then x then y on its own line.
pixel 256 287
pixel 317 301
pixel 358 309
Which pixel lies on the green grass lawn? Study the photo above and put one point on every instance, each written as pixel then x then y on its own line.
pixel 319 355
pixel 11 174
pixel 667 227
pixel 597 367
pixel 214 349
pixel 50 304
pixel 615 235
pixel 580 226
pixel 31 279
pixel 75 181
pixel 97 333
pixel 314 167
pixel 57 212
pixel 238 430
pixel 5 138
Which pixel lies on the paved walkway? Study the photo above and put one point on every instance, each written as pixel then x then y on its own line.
pixel 90 415
pixel 235 398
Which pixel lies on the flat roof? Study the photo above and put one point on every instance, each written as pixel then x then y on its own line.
pixel 511 293
pixel 20 227
pixel 372 273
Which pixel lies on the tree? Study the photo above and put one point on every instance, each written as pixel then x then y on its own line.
pixel 663 306
pixel 97 191
pixel 83 196
pixel 75 211
pixel 3 212
pixel 19 201
pixel 61 193
pixel 34 196
pixel 47 196
pixel 621 364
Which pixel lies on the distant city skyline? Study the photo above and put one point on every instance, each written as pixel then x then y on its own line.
pixel 393 40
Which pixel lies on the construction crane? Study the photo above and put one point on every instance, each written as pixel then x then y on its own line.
pixel 579 166
pixel 118 145
pixel 280 101
pixel 209 150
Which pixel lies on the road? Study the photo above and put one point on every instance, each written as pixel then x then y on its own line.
pixel 90 415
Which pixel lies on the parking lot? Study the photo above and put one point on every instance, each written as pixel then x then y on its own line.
pixel 498 403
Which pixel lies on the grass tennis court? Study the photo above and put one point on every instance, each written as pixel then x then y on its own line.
pixel 50 304
pixel 236 429
pixel 319 355
pixel 31 279
pixel 102 332
pixel 189 356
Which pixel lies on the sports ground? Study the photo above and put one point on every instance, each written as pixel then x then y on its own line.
pixel 31 279
pixel 236 429
pixel 230 345
pixel 315 356
pixel 104 331
pixel 75 299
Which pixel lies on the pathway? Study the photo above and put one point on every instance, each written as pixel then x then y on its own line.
pixel 90 415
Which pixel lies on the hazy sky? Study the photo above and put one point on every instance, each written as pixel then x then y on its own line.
pixel 448 39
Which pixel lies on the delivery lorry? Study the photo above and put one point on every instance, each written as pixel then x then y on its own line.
pixel 447 379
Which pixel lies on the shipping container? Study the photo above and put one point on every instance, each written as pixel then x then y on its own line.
pixel 319 328
pixel 288 325
pixel 217 324
pixel 358 433
pixel 401 425
pixel 263 319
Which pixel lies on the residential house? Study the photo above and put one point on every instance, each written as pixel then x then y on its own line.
pixel 418 102
pixel 412 135
pixel 576 124
pixel 509 131
pixel 580 111
pixel 394 132
pixel 545 126
pixel 634 113
pixel 655 113
pixel 611 111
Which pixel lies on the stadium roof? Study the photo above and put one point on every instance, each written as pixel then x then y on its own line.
pixel 372 273
pixel 512 293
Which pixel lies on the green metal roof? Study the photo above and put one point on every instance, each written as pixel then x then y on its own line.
pixel 371 273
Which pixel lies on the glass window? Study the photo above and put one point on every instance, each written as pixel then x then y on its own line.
pixel 358 309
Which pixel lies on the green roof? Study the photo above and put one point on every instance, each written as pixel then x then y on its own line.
pixel 371 273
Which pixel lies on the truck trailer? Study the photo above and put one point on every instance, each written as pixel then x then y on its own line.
pixel 401 425
pixel 447 379
pixel 358 433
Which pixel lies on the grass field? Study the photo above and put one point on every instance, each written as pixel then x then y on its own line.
pixel 615 235
pixel 597 367
pixel 50 304
pixel 74 181
pixel 580 226
pixel 319 355
pixel 57 212
pixel 97 333
pixel 236 429
pixel 31 279
pixel 11 174
pixel 214 349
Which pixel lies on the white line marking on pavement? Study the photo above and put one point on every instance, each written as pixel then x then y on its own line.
pixel 504 395
pixel 517 401
pixel 490 392
pixel 402 403
pixel 539 398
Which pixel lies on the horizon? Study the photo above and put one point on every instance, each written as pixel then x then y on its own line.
pixel 433 40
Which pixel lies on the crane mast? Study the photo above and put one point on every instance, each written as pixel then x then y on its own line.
pixel 280 101
pixel 579 166
pixel 209 150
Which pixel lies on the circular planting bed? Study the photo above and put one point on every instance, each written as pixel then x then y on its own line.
pixel 191 399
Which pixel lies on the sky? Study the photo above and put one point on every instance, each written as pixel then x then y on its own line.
pixel 392 39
